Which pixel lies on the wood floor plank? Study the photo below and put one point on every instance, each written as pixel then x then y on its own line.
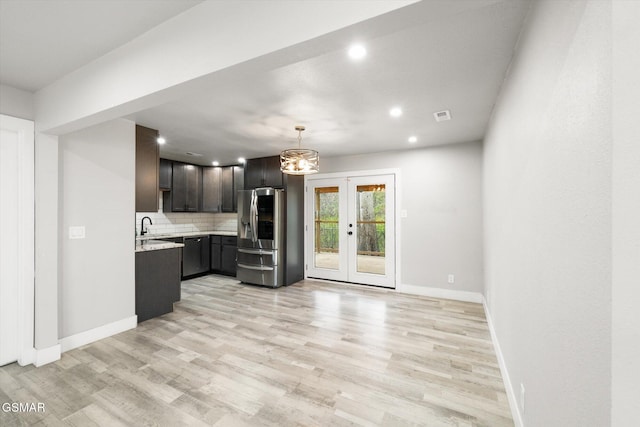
pixel 313 354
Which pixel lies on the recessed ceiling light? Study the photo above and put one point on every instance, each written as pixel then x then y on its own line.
pixel 395 112
pixel 241 160
pixel 215 163
pixel 161 140
pixel 413 139
pixel 357 52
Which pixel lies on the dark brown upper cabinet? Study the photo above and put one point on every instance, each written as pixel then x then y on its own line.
pixel 186 189
pixel 211 189
pixel 253 174
pixel 200 188
pixel 232 181
pixel 263 172
pixel 165 174
pixel 220 187
pixel 147 166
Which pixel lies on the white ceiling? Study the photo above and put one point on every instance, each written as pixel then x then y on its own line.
pixel 42 40
pixel 426 64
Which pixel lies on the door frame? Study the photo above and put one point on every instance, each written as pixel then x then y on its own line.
pixel 308 228
pixel 26 238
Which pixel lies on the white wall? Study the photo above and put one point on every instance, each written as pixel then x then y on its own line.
pixel 440 189
pixel 97 191
pixel 547 199
pixel 16 102
pixel 19 103
pixel 626 214
pixel 46 240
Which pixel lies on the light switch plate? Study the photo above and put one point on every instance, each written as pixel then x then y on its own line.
pixel 76 232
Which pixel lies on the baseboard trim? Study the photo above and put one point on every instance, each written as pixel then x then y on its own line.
pixel 511 395
pixel 95 334
pixel 46 355
pixel 426 291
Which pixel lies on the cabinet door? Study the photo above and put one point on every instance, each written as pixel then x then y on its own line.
pixel 192 190
pixel 272 173
pixel 238 184
pixel 227 189
pixel 228 260
pixel 253 174
pixel 178 188
pixel 205 254
pixel 147 165
pixel 165 174
pixel 157 275
pixel 211 182
pixel 216 250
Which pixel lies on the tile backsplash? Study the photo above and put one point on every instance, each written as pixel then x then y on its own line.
pixel 177 222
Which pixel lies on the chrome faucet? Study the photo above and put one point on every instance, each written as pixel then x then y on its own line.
pixel 142 230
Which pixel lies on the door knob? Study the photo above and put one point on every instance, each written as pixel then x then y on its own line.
pixel 350 233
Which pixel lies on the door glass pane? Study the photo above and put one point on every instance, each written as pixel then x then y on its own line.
pixel 326 244
pixel 370 222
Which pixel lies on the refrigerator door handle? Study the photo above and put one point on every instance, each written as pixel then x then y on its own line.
pixel 254 216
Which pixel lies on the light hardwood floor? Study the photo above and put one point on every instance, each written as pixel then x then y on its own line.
pixel 312 354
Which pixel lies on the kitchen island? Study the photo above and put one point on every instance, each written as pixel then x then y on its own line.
pixel 157 277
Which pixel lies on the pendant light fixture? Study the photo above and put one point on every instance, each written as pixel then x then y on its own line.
pixel 299 161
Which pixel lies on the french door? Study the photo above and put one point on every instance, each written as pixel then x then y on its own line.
pixel 351 229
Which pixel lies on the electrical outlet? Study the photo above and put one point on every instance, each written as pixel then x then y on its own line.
pixel 77 232
pixel 451 278
pixel 521 399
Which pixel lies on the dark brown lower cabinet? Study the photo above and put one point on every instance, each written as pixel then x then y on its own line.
pixel 216 251
pixel 157 282
pixel 228 256
pixel 223 254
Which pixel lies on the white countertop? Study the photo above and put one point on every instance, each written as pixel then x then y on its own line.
pixel 148 242
pixel 187 234
pixel 154 245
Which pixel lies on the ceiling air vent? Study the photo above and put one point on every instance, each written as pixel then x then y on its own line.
pixel 191 153
pixel 441 116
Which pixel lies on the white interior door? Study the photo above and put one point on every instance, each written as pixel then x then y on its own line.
pixel 16 242
pixel 351 229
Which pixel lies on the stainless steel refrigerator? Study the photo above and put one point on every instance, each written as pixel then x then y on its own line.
pixel 261 237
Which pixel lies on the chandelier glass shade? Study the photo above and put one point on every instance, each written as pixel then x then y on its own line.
pixel 299 161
